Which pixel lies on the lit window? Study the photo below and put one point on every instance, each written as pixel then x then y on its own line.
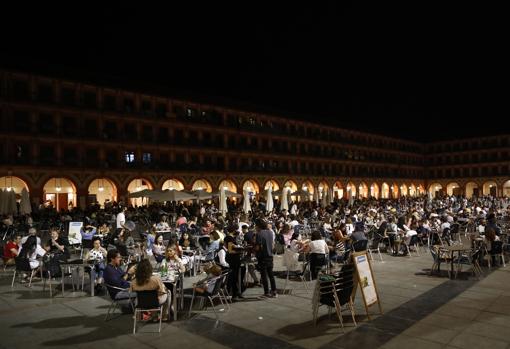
pixel 147 158
pixel 129 156
pixel 189 112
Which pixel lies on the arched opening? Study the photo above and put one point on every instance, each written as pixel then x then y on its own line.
pixel 385 191
pixel 338 190
pixel 138 184
pixel 412 190
pixel 403 190
pixel 173 184
pixel 374 190
pixel 202 184
pixel 394 191
pixel 472 190
pixel 363 190
pixel 351 190
pixel 308 186
pixel 251 186
pixel 421 190
pixel 229 185
pixel 60 193
pixel 13 183
pixel 435 190
pixel 322 189
pixel 103 191
pixel 506 188
pixel 292 187
pixel 490 188
pixel 453 189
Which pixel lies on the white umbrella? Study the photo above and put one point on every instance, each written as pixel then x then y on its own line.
pixel 316 196
pixel 25 207
pixel 246 201
pixel 269 200
pixel 324 201
pixel 284 204
pixel 289 195
pixel 202 194
pixel 223 203
pixel 11 202
pixel 331 196
pixel 228 194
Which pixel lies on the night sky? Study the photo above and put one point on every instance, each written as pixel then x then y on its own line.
pixel 416 71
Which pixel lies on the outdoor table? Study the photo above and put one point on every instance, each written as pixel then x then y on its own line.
pixel 173 280
pixel 452 249
pixel 75 267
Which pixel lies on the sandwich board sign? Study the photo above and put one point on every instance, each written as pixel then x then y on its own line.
pixel 366 281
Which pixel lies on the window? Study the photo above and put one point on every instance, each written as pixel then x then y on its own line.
pixel 109 102
pixel 69 126
pixel 47 154
pixel 21 121
pixel 90 128
pixel 190 112
pixel 46 124
pixel 146 107
pixel 45 93
pixel 129 105
pixel 89 99
pixel 161 110
pixel 163 134
pixel 129 157
pixel 68 96
pixel 20 90
pixel 146 158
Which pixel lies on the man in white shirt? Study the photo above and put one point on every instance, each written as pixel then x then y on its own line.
pixel 121 218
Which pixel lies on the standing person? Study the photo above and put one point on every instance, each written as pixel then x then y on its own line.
pixel 233 259
pixel 121 217
pixel 264 250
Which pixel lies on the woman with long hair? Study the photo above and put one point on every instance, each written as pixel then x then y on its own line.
pixel 31 250
pixel 145 281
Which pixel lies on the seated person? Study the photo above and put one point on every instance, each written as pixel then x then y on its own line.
pixel 145 281
pixel 172 262
pixel 124 242
pixel 88 232
pixel 186 242
pixel 163 224
pixel 98 255
pixel 31 232
pixel 115 276
pixel 31 250
pixel 213 247
pixel 11 249
pixel 158 249
pixel 58 245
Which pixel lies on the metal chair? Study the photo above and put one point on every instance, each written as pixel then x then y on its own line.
pixel 212 289
pixel 335 291
pixel 116 300
pixel 23 266
pixel 496 251
pixel 147 301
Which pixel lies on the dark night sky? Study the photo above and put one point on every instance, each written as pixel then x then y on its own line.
pixel 416 71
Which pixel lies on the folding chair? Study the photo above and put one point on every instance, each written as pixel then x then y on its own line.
pixel 335 291
pixel 116 300
pixel 23 266
pixel 213 287
pixel 147 301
